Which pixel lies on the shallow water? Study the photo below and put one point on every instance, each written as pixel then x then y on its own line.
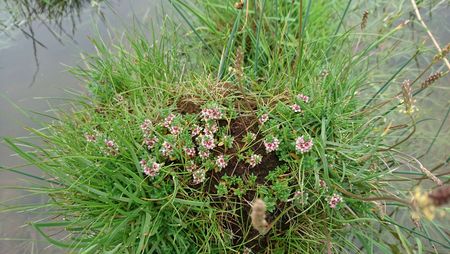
pixel 17 68
pixel 433 105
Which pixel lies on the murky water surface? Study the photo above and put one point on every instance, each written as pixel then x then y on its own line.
pixel 25 82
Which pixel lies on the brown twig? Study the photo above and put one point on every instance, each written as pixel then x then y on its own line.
pixel 424 170
pixel 436 44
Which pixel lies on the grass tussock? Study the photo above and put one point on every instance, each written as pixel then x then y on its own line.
pixel 248 130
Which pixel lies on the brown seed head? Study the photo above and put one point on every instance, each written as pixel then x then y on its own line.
pixel 239 65
pixel 407 97
pixel 239 5
pixel 364 19
pixel 440 196
pixel 431 79
pixel 442 54
pixel 258 216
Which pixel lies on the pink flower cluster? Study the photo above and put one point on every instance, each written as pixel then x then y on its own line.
pixel 198 176
pixel 210 129
pixel 203 153
pixel 168 121
pixel 90 137
pixel 334 200
pixel 151 170
pixel 211 114
pixel 207 142
pixel 323 184
pixel 166 149
pixel 221 162
pixel 111 147
pixel 207 133
pixel 196 131
pixel 145 127
pixel 190 151
pixel 263 118
pixel 303 98
pixel 175 130
pixel 151 142
pixel 303 146
pixel 271 146
pixel 254 160
pixel 191 167
pixel 296 108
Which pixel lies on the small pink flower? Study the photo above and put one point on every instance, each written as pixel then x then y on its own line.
pixel 167 145
pixel 322 184
pixel 151 170
pixel 166 149
pixel 151 142
pixel 208 142
pixel 175 130
pixel 204 153
pixel 303 146
pixel 303 97
pixel 198 176
pixel 296 108
pixel 145 126
pixel 196 131
pixel 263 118
pixel 272 146
pixel 168 121
pixel 146 170
pixel 334 200
pixel 191 167
pixel 221 162
pixel 297 195
pixel 109 143
pixel 254 160
pixel 111 147
pixel 90 137
pixel 210 129
pixel 156 167
pixel 211 114
pixel 190 151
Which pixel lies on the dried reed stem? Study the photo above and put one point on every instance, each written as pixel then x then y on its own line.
pixel 424 170
pixel 436 44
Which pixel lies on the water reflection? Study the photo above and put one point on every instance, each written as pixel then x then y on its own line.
pixel 433 105
pixel 17 68
pixel 25 15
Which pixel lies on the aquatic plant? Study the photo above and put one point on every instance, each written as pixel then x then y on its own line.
pixel 255 132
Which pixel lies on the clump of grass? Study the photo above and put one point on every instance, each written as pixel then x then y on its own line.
pixel 172 151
